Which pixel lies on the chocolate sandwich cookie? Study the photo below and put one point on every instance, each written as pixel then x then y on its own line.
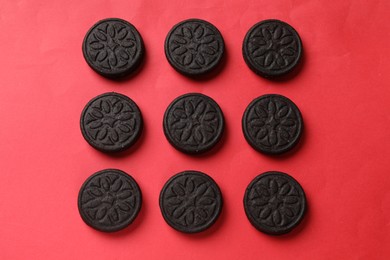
pixel 194 47
pixel 111 122
pixel 272 48
pixel 193 123
pixel 190 201
pixel 113 48
pixel 272 124
pixel 109 200
pixel 274 203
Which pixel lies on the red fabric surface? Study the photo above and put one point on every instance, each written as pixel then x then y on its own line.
pixel 342 162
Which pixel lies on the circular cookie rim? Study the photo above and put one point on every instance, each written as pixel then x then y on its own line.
pixel 291 145
pixel 100 147
pixel 122 225
pixel 138 58
pixel 295 223
pixel 212 221
pixel 178 67
pixel 215 140
pixel 269 73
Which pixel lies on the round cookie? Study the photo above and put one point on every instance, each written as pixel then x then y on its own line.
pixel 111 122
pixel 274 203
pixel 109 200
pixel 194 47
pixel 190 201
pixel 272 48
pixel 272 124
pixel 193 123
pixel 113 48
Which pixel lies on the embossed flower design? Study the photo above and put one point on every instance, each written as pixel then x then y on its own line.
pixel 194 46
pixel 110 198
pixel 191 204
pixel 194 123
pixel 274 202
pixel 273 46
pixel 112 45
pixel 272 125
pixel 109 119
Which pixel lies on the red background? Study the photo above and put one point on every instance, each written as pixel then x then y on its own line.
pixel 342 163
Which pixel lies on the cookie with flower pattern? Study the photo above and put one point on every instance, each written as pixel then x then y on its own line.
pixel 193 123
pixel 194 47
pixel 111 122
pixel 272 48
pixel 113 48
pixel 109 200
pixel 274 203
pixel 190 201
pixel 272 124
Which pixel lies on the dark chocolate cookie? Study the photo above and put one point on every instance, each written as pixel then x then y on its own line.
pixel 190 201
pixel 193 123
pixel 109 200
pixel 274 203
pixel 194 47
pixel 113 48
pixel 272 124
pixel 272 48
pixel 111 122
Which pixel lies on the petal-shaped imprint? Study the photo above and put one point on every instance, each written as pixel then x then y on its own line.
pixel 96 113
pixel 187 33
pixel 190 217
pixel 265 213
pixel 189 108
pixel 125 194
pixel 102 134
pixel 276 217
pixel 111 31
pixel 199 32
pixel 122 33
pixel 187 59
pixel 179 125
pixel 106 107
pixel 209 116
pixel 116 185
pixel 273 186
pixel 179 113
pixel 178 212
pixel 93 203
pixel 178 190
pixel 269 58
pixel 272 138
pixel 114 135
pixel 186 134
pixel 291 200
pixel 286 40
pixel 102 55
pixel 127 43
pixel 97 45
pixel 124 128
pixel 259 52
pixel 277 33
pixel 190 186
pixel 283 111
pixel 285 189
pixel 101 36
pixel 101 213
pixel 205 201
pixel 198 135
pixel 181 50
pixel 266 34
pixel 257 122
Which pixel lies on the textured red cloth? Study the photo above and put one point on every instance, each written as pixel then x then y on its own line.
pixel 342 163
